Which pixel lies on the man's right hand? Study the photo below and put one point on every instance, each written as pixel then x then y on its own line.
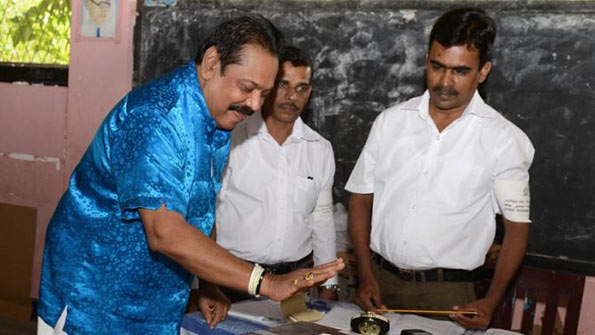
pixel 281 287
pixel 213 304
pixel 368 295
pixel 360 224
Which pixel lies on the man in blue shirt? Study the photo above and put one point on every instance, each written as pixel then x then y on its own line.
pixel 133 225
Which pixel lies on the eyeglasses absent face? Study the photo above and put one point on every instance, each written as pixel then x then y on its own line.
pixel 241 90
pixel 292 92
pixel 452 76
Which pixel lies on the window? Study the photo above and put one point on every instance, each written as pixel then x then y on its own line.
pixel 34 40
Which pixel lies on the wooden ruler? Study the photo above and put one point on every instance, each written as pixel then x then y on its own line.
pixel 429 311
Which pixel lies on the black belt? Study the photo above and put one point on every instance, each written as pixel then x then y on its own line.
pixel 285 267
pixel 424 275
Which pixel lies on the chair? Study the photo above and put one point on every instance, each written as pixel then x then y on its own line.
pixel 553 288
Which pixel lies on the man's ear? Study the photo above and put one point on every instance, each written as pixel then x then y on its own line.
pixel 210 64
pixel 484 71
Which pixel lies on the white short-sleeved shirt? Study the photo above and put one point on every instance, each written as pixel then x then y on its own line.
pixel 436 194
pixel 276 202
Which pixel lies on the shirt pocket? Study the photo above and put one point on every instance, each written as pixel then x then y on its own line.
pixel 304 196
pixel 461 184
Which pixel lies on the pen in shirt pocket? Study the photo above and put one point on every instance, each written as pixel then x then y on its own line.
pixel 310 177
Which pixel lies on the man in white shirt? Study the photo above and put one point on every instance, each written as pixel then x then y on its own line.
pixel 434 172
pixel 275 207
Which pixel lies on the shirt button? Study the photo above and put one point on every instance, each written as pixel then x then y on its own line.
pixel 413 206
pixel 425 173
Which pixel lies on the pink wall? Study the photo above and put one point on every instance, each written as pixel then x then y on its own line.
pixel 100 73
pixel 586 323
pixel 32 142
pixel 45 130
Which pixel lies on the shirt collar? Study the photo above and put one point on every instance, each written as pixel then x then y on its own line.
pixel 476 106
pixel 255 124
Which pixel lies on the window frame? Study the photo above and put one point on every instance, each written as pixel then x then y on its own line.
pixel 45 74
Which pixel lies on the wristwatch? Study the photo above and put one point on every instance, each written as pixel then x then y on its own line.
pixel 331 287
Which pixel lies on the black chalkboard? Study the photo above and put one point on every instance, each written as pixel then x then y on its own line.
pixel 369 55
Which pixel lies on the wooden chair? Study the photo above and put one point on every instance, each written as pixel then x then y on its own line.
pixel 553 288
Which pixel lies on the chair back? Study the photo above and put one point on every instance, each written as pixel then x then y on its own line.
pixel 551 287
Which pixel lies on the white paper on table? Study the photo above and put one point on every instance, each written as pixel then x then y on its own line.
pixel 433 326
pixel 338 317
pixel 265 312
pixel 438 327
pixel 184 331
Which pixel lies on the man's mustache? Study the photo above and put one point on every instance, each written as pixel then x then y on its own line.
pixel 243 109
pixel 289 105
pixel 445 90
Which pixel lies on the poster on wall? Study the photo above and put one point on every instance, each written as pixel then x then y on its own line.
pixel 100 20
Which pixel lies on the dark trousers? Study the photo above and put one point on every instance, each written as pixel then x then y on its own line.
pixel 402 294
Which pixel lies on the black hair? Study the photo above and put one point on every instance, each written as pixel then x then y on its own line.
pixel 466 26
pixel 296 56
pixel 231 36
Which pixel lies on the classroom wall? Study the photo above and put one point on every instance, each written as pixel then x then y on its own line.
pixel 32 142
pixel 100 74
pixel 45 130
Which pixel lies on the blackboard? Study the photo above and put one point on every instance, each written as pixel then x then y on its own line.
pixel 369 55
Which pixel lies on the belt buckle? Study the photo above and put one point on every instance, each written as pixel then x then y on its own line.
pixel 407 275
pixel 413 275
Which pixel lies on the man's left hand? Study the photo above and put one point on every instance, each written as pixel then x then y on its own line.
pixel 213 303
pixel 485 307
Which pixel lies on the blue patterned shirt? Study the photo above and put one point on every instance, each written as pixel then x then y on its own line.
pixel 158 146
